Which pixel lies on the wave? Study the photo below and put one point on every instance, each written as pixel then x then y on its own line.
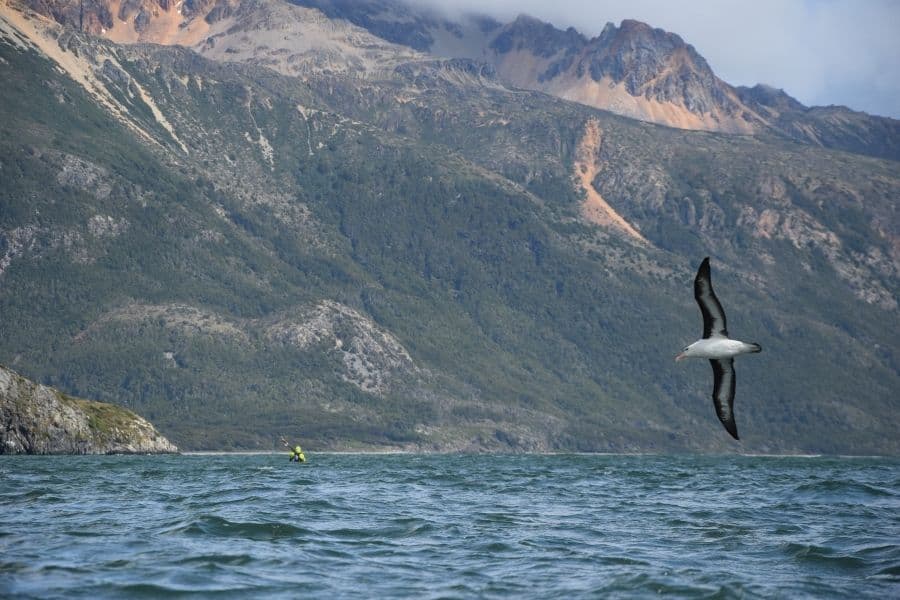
pixel 823 555
pixel 216 526
pixel 838 488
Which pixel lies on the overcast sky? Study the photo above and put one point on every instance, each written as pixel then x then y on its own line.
pixel 819 51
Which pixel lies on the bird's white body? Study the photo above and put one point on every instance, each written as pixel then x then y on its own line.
pixel 717 347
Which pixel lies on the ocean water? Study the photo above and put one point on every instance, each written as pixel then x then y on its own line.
pixel 460 526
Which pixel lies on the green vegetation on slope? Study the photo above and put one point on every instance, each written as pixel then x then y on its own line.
pixel 229 309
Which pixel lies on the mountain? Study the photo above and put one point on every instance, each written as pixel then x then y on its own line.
pixel 826 126
pixel 35 419
pixel 633 70
pixel 370 247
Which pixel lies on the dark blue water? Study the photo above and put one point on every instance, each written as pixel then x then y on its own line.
pixel 406 526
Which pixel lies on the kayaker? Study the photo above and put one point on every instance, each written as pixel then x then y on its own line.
pixel 296 451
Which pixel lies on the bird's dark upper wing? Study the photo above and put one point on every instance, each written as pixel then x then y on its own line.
pixel 723 393
pixel 713 315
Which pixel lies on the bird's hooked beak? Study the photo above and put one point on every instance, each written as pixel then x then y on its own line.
pixel 680 356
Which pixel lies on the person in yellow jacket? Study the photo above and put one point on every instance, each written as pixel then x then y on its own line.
pixel 296 451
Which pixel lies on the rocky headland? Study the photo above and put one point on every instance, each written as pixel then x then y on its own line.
pixel 36 419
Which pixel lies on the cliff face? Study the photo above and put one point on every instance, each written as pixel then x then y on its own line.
pixel 36 419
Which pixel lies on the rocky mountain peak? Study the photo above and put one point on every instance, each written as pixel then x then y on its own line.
pixel 639 30
pixel 631 29
pixel 769 97
pixel 640 55
pixel 633 69
pixel 646 73
pixel 537 37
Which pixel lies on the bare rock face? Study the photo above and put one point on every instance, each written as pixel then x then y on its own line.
pixel 373 359
pixel 99 16
pixel 36 419
pixel 634 70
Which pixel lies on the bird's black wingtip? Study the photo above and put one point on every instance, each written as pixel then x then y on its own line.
pixel 731 428
pixel 703 269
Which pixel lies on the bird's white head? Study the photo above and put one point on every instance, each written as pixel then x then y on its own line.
pixel 686 352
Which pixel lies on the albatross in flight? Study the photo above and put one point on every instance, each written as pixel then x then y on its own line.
pixel 717 347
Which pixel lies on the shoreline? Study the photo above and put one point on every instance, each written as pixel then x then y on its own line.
pixel 504 454
pixel 413 453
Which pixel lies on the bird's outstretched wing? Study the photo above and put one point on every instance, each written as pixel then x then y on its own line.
pixel 713 315
pixel 723 393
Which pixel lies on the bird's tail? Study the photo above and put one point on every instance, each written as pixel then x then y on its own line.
pixel 755 348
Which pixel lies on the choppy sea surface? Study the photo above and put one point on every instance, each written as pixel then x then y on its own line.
pixel 460 526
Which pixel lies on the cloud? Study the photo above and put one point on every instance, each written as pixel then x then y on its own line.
pixel 819 51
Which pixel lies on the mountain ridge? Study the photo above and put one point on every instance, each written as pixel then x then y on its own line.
pixel 400 260
pixel 635 70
